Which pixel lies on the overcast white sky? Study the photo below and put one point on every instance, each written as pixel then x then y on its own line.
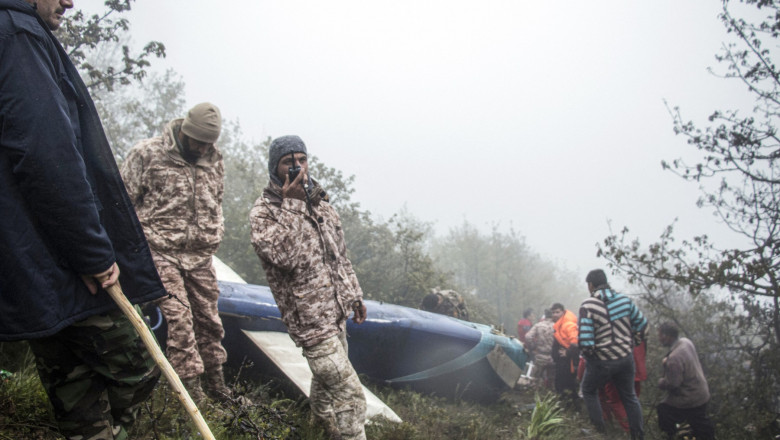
pixel 544 116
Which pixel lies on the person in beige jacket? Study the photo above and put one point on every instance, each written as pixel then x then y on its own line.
pixel 175 182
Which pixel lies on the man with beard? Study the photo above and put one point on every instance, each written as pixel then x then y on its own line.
pixel 298 237
pixel 66 230
pixel 176 183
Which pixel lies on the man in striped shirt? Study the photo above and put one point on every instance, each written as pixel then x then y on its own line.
pixel 609 324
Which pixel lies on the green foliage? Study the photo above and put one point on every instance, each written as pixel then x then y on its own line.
pixel 430 417
pixel 392 263
pixel 25 413
pixel 338 187
pixel 390 258
pixel 132 104
pixel 131 114
pixel 246 174
pixel 732 347
pixel 24 406
pixel 546 418
pixel 82 35
pixel 163 417
pixel 500 270
pixel 740 152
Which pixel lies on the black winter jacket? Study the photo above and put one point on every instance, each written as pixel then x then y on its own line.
pixel 63 207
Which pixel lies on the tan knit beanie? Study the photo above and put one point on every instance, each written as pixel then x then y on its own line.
pixel 203 123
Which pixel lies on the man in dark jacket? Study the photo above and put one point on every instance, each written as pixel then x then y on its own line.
pixel 687 392
pixel 67 222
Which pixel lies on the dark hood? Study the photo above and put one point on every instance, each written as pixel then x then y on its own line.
pixel 18 5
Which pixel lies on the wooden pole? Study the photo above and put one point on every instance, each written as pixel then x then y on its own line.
pixel 151 344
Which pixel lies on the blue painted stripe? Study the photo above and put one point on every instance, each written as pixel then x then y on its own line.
pixel 483 347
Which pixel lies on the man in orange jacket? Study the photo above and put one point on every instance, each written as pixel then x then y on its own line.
pixel 565 353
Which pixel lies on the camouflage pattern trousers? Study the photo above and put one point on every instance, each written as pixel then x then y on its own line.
pixel 96 372
pixel 195 330
pixel 336 395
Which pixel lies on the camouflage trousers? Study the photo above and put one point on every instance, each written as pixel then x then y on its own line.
pixel 195 330
pixel 336 395
pixel 96 372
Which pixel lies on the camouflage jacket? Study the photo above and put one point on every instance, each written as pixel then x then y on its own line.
pixel 306 264
pixel 539 340
pixel 179 204
pixel 451 304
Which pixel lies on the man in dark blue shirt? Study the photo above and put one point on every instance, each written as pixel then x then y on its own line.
pixel 67 222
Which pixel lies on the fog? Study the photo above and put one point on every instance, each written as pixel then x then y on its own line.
pixel 545 117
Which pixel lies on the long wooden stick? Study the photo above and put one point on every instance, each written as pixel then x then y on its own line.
pixel 151 344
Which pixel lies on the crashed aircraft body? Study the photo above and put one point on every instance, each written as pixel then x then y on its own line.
pixel 396 345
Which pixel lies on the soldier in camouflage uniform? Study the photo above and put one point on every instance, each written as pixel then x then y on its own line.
pixel 82 407
pixel 445 302
pixel 299 240
pixel 176 183
pixel 67 228
pixel 539 341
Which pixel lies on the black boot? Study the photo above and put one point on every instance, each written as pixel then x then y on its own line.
pixel 192 384
pixel 215 386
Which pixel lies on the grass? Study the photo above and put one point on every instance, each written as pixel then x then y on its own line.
pixel 24 406
pixel 276 412
pixel 546 418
